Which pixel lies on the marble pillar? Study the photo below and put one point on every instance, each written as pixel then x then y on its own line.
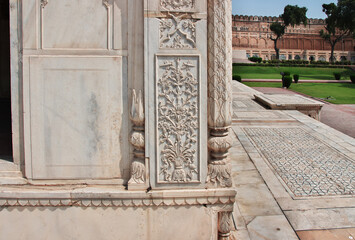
pixel 219 91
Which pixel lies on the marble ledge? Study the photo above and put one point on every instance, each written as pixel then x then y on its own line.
pixel 103 196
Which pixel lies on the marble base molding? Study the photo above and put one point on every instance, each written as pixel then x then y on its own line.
pixel 111 197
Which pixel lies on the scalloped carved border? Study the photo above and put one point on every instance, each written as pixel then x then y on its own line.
pixel 142 202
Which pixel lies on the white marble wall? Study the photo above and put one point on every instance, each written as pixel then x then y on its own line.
pixel 57 223
pixel 75 89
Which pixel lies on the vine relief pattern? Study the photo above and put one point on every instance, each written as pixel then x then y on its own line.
pixel 178 119
pixel 177 5
pixel 219 62
pixel 176 32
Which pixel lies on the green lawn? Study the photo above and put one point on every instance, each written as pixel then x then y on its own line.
pixel 255 72
pixel 342 93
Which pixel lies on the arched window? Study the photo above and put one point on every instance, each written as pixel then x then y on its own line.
pixel 321 58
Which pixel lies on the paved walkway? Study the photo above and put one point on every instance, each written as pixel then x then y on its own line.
pixel 300 81
pixel 293 174
pixel 338 116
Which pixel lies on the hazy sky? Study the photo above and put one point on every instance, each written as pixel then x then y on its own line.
pixel 276 7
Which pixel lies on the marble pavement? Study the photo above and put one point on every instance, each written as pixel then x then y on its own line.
pixel 294 175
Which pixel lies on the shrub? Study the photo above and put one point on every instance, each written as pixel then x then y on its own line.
pixel 255 59
pixel 337 76
pixel 296 77
pixel 287 81
pixel 237 78
pixel 352 77
pixel 287 73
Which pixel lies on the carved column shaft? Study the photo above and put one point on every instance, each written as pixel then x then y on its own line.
pixel 219 91
pixel 138 168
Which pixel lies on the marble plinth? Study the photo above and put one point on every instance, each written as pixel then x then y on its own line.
pixel 305 105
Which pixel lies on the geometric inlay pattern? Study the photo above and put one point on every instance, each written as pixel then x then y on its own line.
pixel 308 166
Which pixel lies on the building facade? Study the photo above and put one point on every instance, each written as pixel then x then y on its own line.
pixel 110 135
pixel 252 33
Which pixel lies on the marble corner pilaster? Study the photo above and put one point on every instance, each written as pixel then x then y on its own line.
pixel 219 91
pixel 138 173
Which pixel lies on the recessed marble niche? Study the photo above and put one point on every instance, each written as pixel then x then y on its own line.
pixel 79 24
pixel 75 89
pixel 75 107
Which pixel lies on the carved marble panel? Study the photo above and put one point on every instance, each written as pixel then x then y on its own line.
pixel 177 32
pixel 177 112
pixel 177 5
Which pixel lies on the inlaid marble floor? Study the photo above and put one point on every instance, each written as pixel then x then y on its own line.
pixel 307 165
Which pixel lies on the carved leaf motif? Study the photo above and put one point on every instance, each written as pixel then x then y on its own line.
pixel 44 3
pixel 178 120
pixel 176 32
pixel 224 224
pixel 107 3
pixel 137 110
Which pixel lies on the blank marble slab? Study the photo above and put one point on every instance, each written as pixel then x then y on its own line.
pixel 240 234
pixel 347 233
pixel 76 117
pixel 256 200
pixel 238 218
pixel 271 227
pixel 322 218
pixel 247 177
pixel 265 116
pixel 92 223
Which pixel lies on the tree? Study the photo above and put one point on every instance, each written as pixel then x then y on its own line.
pixel 340 23
pixel 293 15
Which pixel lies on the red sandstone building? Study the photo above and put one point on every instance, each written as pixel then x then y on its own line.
pixel 251 37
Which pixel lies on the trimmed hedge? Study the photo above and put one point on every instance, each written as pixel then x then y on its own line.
pixel 287 81
pixel 352 78
pixel 289 65
pixel 296 77
pixel 237 78
pixel 255 59
pixel 337 76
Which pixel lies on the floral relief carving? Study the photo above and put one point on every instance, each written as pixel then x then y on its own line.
pixel 177 5
pixel 178 119
pixel 176 32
